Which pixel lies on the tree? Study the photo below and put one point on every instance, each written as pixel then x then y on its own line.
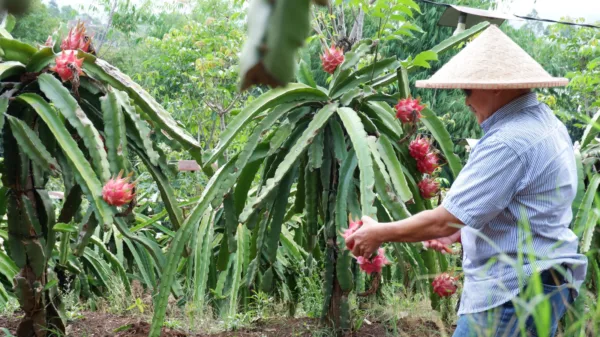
pixel 60 127
pixel 37 25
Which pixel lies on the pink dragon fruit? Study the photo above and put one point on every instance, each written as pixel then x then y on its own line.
pixel 67 65
pixel 429 188
pixel 428 164
pixel 352 227
pixel 419 148
pixel 331 59
pixel 409 110
pixel 375 264
pixel 445 285
pixel 118 191
pixel 76 39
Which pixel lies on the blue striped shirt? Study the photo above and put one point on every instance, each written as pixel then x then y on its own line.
pixel 521 173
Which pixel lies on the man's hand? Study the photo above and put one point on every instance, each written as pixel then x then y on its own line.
pixel 441 244
pixel 365 241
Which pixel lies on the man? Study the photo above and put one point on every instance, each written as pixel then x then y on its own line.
pixel 513 196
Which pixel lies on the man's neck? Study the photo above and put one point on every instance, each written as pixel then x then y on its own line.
pixel 498 100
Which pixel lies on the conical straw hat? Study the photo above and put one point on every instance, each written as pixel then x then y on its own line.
pixel 492 61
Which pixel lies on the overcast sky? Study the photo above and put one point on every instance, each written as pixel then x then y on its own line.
pixel 547 9
pixel 555 9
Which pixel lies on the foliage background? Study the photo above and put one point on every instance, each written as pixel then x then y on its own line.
pixel 186 56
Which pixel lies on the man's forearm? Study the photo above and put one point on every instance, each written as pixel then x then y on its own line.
pixel 426 225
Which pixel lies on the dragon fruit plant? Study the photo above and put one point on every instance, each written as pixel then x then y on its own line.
pixel 318 154
pixel 70 115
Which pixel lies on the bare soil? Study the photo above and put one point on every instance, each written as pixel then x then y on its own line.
pixel 105 325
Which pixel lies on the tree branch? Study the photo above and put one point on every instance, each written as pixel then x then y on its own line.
pixel 317 28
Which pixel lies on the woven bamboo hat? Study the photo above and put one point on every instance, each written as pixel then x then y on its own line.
pixel 492 61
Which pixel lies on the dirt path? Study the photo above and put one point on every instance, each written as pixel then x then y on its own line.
pixel 104 325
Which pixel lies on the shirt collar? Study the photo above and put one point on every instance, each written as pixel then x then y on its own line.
pixel 516 105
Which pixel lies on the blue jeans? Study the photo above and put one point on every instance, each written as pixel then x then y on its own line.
pixel 503 321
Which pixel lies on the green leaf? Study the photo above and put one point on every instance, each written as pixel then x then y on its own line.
pixel 591 130
pixel 202 258
pixel 114 132
pixel 580 183
pixel 86 229
pixel 339 140
pixel 241 239
pixel 363 75
pixel 7 267
pixel 251 148
pixel 4 33
pixel 72 202
pixel 441 135
pixel 9 23
pixel 383 116
pixel 16 51
pixel 588 232
pixel 318 121
pixel 358 136
pixel 411 4
pixel 346 175
pixel 114 262
pixel 403 83
pixel 292 93
pixel 98 266
pixel 304 75
pixel 267 280
pixel 41 59
pixel 243 185
pixel 65 228
pixel 349 96
pixel 178 244
pixel 85 175
pixel 50 284
pixel 140 127
pixel 103 71
pixel 3 108
pixel 278 214
pixel 359 51
pixel 586 206
pixel 292 248
pixel 388 198
pixel 166 190
pixel 67 105
pixel 231 221
pixel 139 262
pixel 422 59
pixel 389 157
pixel 343 270
pixel 31 145
pixel 11 68
pixel 64 246
pixel 315 151
pixel 47 215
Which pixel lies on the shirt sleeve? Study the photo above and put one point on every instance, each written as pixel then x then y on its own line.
pixel 486 185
